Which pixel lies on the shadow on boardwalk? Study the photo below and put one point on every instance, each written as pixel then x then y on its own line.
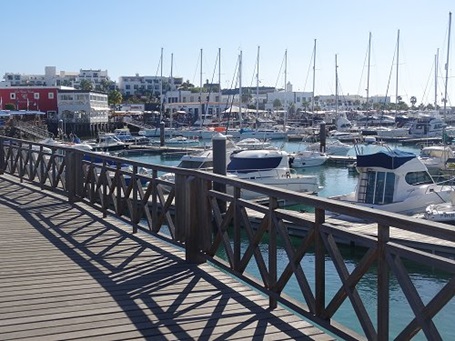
pixel 67 273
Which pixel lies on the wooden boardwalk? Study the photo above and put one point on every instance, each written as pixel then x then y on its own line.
pixel 67 273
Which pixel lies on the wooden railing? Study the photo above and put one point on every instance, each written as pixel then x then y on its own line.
pixel 206 222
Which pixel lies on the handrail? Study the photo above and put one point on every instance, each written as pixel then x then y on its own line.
pixel 189 211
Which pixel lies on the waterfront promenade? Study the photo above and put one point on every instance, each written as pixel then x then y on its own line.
pixel 68 273
pixel 92 248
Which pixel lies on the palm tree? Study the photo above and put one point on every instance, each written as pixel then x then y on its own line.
pixel 413 101
pixel 86 85
pixel 277 103
pixel 115 97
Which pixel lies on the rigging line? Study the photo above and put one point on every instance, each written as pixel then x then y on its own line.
pixel 310 65
pixel 390 76
pixel 234 81
pixel 279 73
pixel 431 75
pixel 211 83
pixel 213 76
pixel 359 91
pixel 196 68
pixel 158 67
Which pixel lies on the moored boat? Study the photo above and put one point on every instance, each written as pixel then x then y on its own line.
pixel 307 158
pixel 269 167
pixel 395 181
pixel 444 213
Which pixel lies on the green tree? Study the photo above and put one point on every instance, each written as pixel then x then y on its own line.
pixel 115 97
pixel 186 85
pixel 246 97
pixel 10 106
pixel 86 85
pixel 277 103
pixel 107 86
pixel 413 101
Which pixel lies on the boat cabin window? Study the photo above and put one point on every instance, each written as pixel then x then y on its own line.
pixel 418 178
pixel 379 187
pixel 195 164
pixel 246 165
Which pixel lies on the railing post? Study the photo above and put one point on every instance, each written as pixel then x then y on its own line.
pixel 21 162
pixel 73 175
pixel 70 175
pixel 118 196
pixel 237 233
pixel 273 254
pixel 181 202
pixel 319 254
pixel 196 219
pixel 383 283
pixel 2 156
pixel 155 227
pixel 134 205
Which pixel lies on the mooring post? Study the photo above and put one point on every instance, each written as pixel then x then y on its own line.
pixel 219 165
pixel 322 137
pixel 161 133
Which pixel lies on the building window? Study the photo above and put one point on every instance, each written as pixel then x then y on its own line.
pixel 50 95
pixel 36 95
pixel 12 95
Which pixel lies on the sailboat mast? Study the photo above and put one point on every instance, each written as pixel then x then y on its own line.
pixel 447 65
pixel 336 84
pixel 161 86
pixel 201 117
pixel 172 88
pixel 240 89
pixel 219 83
pixel 436 67
pixel 257 87
pixel 285 118
pixel 398 64
pixel 368 72
pixel 314 76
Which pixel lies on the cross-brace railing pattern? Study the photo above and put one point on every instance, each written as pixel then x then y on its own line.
pixel 209 222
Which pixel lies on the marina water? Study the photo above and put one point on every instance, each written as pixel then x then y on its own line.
pixel 339 180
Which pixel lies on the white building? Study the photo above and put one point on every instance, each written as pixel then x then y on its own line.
pixel 191 102
pixel 286 98
pixel 143 85
pixel 79 106
pixel 52 78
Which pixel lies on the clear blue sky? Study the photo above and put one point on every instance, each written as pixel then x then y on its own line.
pixel 126 37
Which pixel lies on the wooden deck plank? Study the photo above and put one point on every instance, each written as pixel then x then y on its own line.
pixel 67 273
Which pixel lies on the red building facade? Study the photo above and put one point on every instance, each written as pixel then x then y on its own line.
pixel 30 98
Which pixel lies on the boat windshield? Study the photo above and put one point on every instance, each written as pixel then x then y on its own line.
pixel 418 178
pixel 246 165
pixel 193 164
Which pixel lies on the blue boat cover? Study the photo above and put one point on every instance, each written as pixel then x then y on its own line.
pixel 248 165
pixel 390 159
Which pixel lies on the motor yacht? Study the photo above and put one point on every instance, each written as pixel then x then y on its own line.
pixel 395 181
